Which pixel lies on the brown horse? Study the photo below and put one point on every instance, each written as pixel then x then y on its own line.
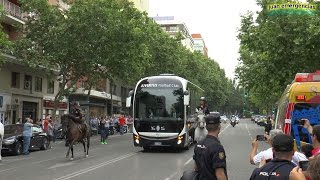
pixel 75 132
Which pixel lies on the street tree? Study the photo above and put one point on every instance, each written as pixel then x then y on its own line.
pixel 5 44
pixel 77 42
pixel 273 49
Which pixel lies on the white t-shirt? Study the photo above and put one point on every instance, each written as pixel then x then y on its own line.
pixel 268 154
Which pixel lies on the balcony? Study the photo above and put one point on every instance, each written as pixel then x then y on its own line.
pixel 13 10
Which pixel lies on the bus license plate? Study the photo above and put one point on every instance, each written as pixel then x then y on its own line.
pixel 157 143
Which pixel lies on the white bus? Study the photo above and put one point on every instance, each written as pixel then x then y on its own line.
pixel 164 111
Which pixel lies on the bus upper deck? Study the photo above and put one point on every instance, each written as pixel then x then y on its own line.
pixel 301 100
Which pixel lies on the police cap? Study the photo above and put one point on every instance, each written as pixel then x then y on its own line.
pixel 282 143
pixel 213 119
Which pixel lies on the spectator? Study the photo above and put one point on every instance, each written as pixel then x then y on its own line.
pixel 307 150
pixel 268 126
pixel 268 154
pixel 315 141
pixel 281 166
pixel 313 170
pixel 121 124
pixel 50 132
pixel 45 124
pixel 296 174
pixel 27 134
pixel 130 123
pixel 103 132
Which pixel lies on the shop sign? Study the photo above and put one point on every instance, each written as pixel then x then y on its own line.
pixel 50 104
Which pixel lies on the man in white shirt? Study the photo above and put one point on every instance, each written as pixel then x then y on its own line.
pixel 268 154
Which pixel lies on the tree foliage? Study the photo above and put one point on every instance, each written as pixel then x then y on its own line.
pixel 97 39
pixel 273 49
pixel 5 44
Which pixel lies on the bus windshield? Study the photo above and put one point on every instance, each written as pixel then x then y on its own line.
pixel 154 103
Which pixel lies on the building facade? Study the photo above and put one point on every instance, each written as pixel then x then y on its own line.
pixel 142 5
pixel 174 27
pixel 199 44
pixel 23 91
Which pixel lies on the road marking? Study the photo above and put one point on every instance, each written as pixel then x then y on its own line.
pixel 61 165
pixel 249 132
pixel 14 160
pixel 7 169
pixel 188 161
pixel 170 177
pixel 78 173
pixel 224 129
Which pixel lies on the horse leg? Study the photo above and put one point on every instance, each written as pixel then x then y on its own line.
pixel 68 150
pixel 71 150
pixel 84 147
pixel 88 144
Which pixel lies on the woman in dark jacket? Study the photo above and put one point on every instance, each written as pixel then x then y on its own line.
pixel 103 131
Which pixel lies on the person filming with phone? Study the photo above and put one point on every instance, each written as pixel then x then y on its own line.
pixel 268 154
pixel 280 166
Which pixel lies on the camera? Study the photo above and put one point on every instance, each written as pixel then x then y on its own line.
pixel 261 138
pixel 304 165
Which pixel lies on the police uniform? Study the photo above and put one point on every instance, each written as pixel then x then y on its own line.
pixel 204 109
pixel 276 169
pixel 209 154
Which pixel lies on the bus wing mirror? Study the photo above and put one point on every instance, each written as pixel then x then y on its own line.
pixel 131 93
pixel 186 100
pixel 128 102
pixel 186 92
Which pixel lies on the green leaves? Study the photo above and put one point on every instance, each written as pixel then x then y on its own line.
pixel 273 50
pixel 5 44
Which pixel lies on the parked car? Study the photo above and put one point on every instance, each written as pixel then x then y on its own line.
pixel 13 139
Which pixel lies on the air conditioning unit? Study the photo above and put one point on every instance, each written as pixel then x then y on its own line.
pixel 27 85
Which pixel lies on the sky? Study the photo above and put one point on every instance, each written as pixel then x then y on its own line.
pixel 216 21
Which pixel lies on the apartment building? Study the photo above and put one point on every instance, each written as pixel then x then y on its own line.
pixel 199 44
pixel 142 5
pixel 23 91
pixel 174 27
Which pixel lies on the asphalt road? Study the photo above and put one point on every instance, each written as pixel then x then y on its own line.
pixel 120 160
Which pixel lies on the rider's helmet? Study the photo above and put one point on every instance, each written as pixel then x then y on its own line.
pixel 202 99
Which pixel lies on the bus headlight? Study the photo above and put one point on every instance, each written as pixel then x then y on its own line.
pixel 137 139
pixel 180 139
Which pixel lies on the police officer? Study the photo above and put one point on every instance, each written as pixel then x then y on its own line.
pixel 203 106
pixel 76 113
pixel 209 154
pixel 280 166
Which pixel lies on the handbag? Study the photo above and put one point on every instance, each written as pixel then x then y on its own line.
pixel 190 175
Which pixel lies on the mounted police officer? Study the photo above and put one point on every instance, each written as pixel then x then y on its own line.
pixel 209 154
pixel 203 106
pixel 76 114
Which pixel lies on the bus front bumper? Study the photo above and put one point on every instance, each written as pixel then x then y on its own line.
pixel 154 142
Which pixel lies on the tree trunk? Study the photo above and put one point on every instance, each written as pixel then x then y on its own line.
pixel 111 93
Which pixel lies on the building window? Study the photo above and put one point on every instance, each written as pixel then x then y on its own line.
pixel 27 82
pixel 173 28
pixel 50 89
pixel 38 87
pixel 1 101
pixel 15 80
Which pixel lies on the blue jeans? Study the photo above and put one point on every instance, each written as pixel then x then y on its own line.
pixel 26 144
pixel 121 130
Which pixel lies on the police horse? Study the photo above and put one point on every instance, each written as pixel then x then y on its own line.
pixel 1 137
pixel 201 131
pixel 75 132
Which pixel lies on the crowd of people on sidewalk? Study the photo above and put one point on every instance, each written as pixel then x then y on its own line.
pixel 105 124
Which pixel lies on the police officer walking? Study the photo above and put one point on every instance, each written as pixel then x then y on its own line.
pixel 209 154
pixel 280 166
